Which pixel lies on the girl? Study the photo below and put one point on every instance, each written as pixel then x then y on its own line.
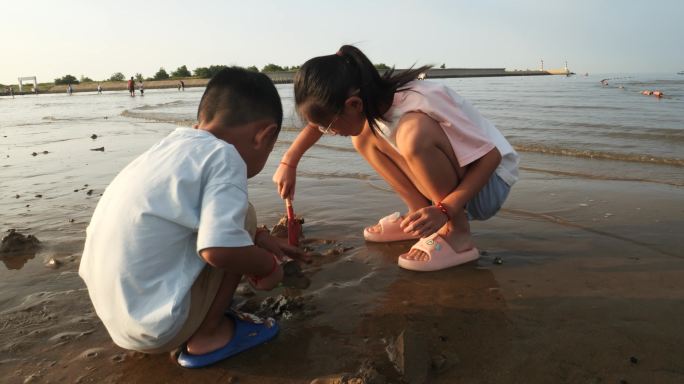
pixel 446 162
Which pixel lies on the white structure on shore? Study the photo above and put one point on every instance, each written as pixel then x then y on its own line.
pixel 28 78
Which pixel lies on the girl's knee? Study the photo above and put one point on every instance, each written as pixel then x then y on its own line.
pixel 414 138
pixel 365 143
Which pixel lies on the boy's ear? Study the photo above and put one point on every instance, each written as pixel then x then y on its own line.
pixel 265 135
pixel 355 103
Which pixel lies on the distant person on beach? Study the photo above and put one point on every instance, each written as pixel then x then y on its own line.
pixel 182 85
pixel 69 90
pixel 141 88
pixel 10 91
pixel 445 161
pixel 99 88
pixel 131 86
pixel 163 257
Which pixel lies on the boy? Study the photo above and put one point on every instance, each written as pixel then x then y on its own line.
pixel 167 244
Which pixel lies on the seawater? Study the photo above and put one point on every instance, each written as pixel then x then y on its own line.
pixel 567 125
pixel 576 116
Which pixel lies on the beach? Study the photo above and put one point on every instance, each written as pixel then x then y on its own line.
pixel 579 279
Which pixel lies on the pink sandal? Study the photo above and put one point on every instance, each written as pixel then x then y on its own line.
pixel 390 230
pixel 442 256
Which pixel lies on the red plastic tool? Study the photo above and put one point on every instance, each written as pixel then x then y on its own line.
pixel 294 228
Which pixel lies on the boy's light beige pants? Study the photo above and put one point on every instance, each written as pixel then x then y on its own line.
pixel 202 294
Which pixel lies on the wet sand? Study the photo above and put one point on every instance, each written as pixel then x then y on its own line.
pixel 588 290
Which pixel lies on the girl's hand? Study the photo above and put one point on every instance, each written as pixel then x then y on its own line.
pixel 280 247
pixel 285 178
pixel 424 222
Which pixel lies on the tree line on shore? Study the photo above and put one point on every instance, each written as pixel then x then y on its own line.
pixel 181 73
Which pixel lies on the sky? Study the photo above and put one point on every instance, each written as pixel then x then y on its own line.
pixel 96 38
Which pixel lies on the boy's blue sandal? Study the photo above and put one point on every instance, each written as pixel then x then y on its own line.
pixel 250 331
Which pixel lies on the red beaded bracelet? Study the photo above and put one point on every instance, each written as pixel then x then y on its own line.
pixel 256 279
pixel 444 210
pixel 287 165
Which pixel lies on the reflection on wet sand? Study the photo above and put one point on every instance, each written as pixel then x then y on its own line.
pixel 16 261
pixel 16 249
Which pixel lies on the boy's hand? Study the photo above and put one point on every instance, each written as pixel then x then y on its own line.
pixel 280 247
pixel 424 222
pixel 269 281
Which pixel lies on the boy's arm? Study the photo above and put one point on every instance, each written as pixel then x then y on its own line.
pixel 249 260
pixel 286 174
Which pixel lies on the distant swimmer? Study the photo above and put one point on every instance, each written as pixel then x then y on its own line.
pixel 69 90
pixel 182 85
pixel 141 87
pixel 131 86
pixel 604 81
pixel 99 89
pixel 657 94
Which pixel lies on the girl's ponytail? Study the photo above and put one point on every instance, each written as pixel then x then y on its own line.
pixel 373 89
pixel 327 81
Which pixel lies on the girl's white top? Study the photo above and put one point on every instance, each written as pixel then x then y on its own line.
pixel 470 134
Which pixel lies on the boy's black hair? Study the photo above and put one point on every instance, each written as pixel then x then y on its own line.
pixel 327 81
pixel 247 96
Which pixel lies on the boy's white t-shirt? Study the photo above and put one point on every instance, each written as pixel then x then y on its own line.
pixel 186 193
pixel 470 134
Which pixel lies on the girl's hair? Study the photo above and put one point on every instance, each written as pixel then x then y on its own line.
pixel 327 81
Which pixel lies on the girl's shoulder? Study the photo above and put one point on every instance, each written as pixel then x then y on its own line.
pixel 421 89
pixel 421 92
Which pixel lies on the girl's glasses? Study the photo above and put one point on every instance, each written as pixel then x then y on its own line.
pixel 328 130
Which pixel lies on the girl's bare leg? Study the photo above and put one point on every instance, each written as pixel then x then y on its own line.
pixel 434 168
pixel 391 167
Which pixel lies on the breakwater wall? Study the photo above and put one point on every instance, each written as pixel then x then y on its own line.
pixel 444 73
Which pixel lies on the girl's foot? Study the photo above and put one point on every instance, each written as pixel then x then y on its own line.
pixel 388 229
pixel 459 241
